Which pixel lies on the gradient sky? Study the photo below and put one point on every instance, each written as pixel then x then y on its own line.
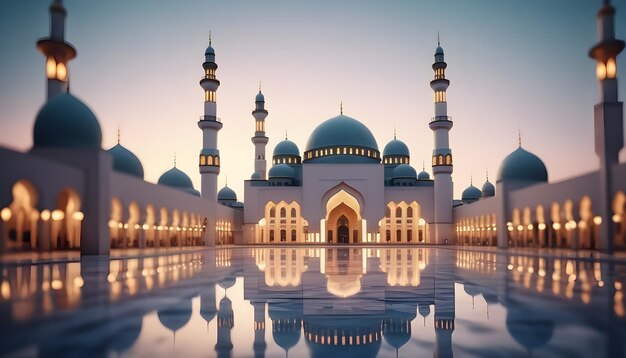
pixel 512 64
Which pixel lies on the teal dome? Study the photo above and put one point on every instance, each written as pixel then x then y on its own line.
pixel 282 171
pixel 259 97
pixel 488 189
pixel 396 148
pixel 439 50
pixel 423 175
pixel 125 161
pixel 342 131
pixel 255 176
pixel 209 51
pixel 227 194
pixel 176 178
pixel 471 194
pixel 286 148
pixel 66 122
pixel 523 165
pixel 403 171
pixel 237 205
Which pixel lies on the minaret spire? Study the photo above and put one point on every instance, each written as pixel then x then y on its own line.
pixel 519 137
pixel 174 159
pixel 260 139
pixel 341 107
pixel 209 37
pixel 118 133
pixel 394 132
pixel 438 43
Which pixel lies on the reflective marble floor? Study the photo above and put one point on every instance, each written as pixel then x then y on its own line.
pixel 320 302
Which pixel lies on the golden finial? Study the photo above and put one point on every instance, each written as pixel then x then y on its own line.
pixel 341 107
pixel 118 133
pixel 174 159
pixel 209 37
pixel 519 137
pixel 438 44
pixel 394 132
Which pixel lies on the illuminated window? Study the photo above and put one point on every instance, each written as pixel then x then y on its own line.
pixel 350 150
pixel 369 153
pixel 51 67
pixel 338 150
pixel 209 96
pixel 331 150
pixel 202 160
pixel 210 73
pixel 61 71
pixel 434 160
pixel 217 160
pixel 440 160
pixel 449 159
pixel 345 150
pixel 440 96
pixel 209 160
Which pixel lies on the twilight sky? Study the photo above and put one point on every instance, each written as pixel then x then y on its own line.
pixel 512 64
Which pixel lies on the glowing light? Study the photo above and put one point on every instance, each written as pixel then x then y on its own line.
pixel 571 278
pixel 78 216
pixel 61 71
pixel 520 228
pixel 542 272
pixel 510 228
pixel 51 67
pixel 618 285
pixel 125 226
pixel 57 215
pixel 111 278
pixel 572 224
pixel 530 226
pixel 541 226
pixel 616 218
pixel 112 223
pixel 601 71
pixel 611 68
pixel 78 281
pixel 145 226
pixel 56 284
pixel 597 220
pixel 137 226
pixel 510 267
pixel 556 226
pixel 6 214
pixel 6 290
pixel 45 215
pixel 600 283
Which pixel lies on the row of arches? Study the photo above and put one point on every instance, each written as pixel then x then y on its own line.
pixel 25 227
pixel 209 160
pixel 442 160
pixel 570 224
pixel 282 222
pixel 403 224
pixel 149 227
pixel 477 231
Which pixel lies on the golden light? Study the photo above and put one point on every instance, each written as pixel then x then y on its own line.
pixel 556 226
pixel 520 228
pixel 112 223
pixel 597 220
pixel 58 215
pixel 78 281
pixel 572 224
pixel 510 228
pixel 6 214
pixel 34 215
pixel 111 278
pixel 78 216
pixel 45 215
pixel 616 218
pixel 51 67
pixel 530 226
pixel 542 226
pixel 611 68
pixel 145 226
pixel 601 71
pixel 61 71
pixel 137 226
pixel 125 226
pixel 56 284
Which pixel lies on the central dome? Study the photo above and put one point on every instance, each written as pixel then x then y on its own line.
pixel 339 133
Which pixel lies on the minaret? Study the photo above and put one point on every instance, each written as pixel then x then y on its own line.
pixel 259 140
pixel 210 125
pixel 58 52
pixel 608 118
pixel 442 155
pixel 259 346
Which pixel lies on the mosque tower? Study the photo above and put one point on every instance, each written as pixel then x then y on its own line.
pixel 58 52
pixel 442 155
pixel 259 140
pixel 259 346
pixel 210 125
pixel 608 117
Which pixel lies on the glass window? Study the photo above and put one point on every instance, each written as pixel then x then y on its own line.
pixel 283 212
pixel 293 212
pixel 209 160
pixel 399 212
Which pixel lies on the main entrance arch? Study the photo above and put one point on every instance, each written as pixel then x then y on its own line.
pixel 343 222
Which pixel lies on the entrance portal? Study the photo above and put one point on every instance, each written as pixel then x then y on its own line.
pixel 343 230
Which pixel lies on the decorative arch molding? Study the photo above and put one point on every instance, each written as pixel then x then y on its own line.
pixel 332 192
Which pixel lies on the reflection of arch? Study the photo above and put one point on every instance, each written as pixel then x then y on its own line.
pixel 22 225
pixel 133 223
pixel 619 219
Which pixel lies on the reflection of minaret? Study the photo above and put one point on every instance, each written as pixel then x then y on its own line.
pixel 175 317
pixel 57 51
pixel 225 322
pixel 444 313
pixel 207 304
pixel 259 344
pixel 608 118
pixel 286 319
pixel 397 323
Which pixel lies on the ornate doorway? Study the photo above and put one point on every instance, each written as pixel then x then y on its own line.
pixel 343 230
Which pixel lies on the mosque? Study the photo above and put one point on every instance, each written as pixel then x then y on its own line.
pixel 66 192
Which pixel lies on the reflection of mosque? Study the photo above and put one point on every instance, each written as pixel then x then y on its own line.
pixel 342 301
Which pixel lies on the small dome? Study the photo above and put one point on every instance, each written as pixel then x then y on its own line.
pixel 66 122
pixel 237 205
pixel 194 192
pixel 125 161
pixel 286 148
pixel 471 194
pixel 423 175
pixel 209 51
pixel 282 171
pixel 259 97
pixel 488 189
pixel 396 147
pixel 176 316
pixel 227 194
pixel 404 171
pixel 255 176
pixel 523 165
pixel 439 51
pixel 527 328
pixel 176 179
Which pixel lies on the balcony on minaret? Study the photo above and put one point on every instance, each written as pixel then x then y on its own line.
pixel 440 122
pixel 210 118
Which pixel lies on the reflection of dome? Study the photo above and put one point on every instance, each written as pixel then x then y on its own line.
pixel 176 178
pixel 396 148
pixel 207 304
pixel 125 161
pixel 343 285
pixel 227 194
pixel 66 122
pixel 176 316
pixel 286 148
pixel 286 319
pixel 227 282
pixel 471 194
pixel 397 323
pixel 342 131
pixel 404 171
pixel 488 189
pixel 471 289
pixel 125 332
pixel 282 171
pixel 423 309
pixel 350 332
pixel 523 165
pixel 527 328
